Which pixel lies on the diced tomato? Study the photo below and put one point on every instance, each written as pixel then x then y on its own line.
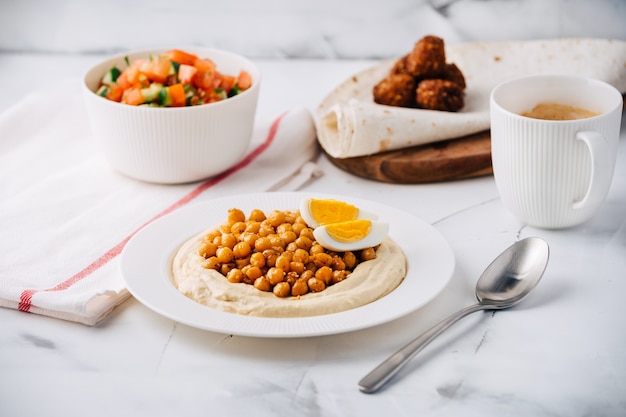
pixel 204 79
pixel 177 93
pixel 227 82
pixel 181 57
pixel 115 92
pixel 244 81
pixel 186 73
pixel 133 97
pixel 204 64
pixel 123 81
pixel 157 69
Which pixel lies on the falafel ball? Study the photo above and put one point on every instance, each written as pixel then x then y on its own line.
pixel 427 59
pixel 437 94
pixel 396 90
pixel 453 73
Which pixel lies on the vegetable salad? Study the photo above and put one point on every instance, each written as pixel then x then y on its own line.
pixel 174 79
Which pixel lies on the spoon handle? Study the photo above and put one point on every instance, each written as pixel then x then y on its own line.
pixel 383 372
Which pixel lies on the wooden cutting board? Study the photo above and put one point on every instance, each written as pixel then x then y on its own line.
pixel 466 157
pixel 455 159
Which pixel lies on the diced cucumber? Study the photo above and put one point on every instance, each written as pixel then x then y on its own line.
pixel 103 91
pixel 165 97
pixel 111 76
pixel 152 92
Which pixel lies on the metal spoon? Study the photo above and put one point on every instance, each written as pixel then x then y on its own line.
pixel 505 282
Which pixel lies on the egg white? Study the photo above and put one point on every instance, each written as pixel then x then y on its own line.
pixel 307 216
pixel 377 234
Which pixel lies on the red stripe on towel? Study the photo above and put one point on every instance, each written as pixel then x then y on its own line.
pixel 26 296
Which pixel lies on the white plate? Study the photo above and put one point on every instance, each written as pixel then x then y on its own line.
pixel 146 263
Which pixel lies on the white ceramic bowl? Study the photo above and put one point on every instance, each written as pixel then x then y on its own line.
pixel 175 144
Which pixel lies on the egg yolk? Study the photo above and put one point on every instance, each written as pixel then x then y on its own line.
pixel 332 211
pixel 349 231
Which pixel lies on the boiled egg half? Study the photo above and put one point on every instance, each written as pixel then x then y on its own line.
pixel 318 212
pixel 351 235
pixel 340 226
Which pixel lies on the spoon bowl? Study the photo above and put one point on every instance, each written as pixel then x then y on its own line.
pixel 513 274
pixel 504 283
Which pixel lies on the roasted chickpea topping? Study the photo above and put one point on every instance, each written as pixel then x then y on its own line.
pixel 276 253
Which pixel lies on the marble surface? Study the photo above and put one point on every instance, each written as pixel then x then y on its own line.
pixel 286 29
pixel 560 353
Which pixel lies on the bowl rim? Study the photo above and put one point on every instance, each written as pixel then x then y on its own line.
pixel 198 50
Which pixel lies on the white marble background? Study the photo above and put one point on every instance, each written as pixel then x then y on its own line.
pixel 295 29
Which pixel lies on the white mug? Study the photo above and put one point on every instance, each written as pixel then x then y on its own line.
pixel 554 173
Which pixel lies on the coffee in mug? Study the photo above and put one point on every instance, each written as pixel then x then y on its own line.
pixel 558 111
pixel 554 173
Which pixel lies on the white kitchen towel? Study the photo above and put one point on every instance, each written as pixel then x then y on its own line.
pixel 65 214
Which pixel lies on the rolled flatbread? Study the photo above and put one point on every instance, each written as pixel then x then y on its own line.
pixel 349 123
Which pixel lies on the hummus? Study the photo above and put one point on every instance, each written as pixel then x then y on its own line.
pixel 369 281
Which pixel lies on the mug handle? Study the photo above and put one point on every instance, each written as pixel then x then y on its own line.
pixel 600 174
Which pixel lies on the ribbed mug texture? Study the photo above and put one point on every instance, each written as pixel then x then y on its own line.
pixel 542 168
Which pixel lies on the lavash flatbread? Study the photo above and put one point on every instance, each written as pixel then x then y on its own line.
pixel 350 124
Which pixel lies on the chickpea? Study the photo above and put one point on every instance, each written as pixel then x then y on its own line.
pixel 253 227
pixel 225 268
pixel 316 248
pixel 241 250
pixel 282 228
pixel 262 243
pixel 276 218
pixel 213 234
pixel 288 236
pixel 257 259
pixel 299 287
pixel 249 237
pixel 257 215
pixel 297 267
pixel 349 258
pixel 275 275
pixel 262 284
pixel 229 240
pixel 368 254
pixel 235 275
pixel 241 262
pixel 339 276
pixel 270 256
pixel 291 277
pixel 236 215
pixel 324 274
pixel 322 259
pixel 207 249
pixel 282 289
pixel 304 242
pixel 316 285
pixel 298 227
pixel 283 262
pixel 237 228
pixel 291 247
pixel 277 242
pixel 338 263
pixel 254 272
pixel 307 232
pixel 300 255
pixel 266 230
pixel 211 263
pixel 224 254
pixel 307 274
pixel 291 216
